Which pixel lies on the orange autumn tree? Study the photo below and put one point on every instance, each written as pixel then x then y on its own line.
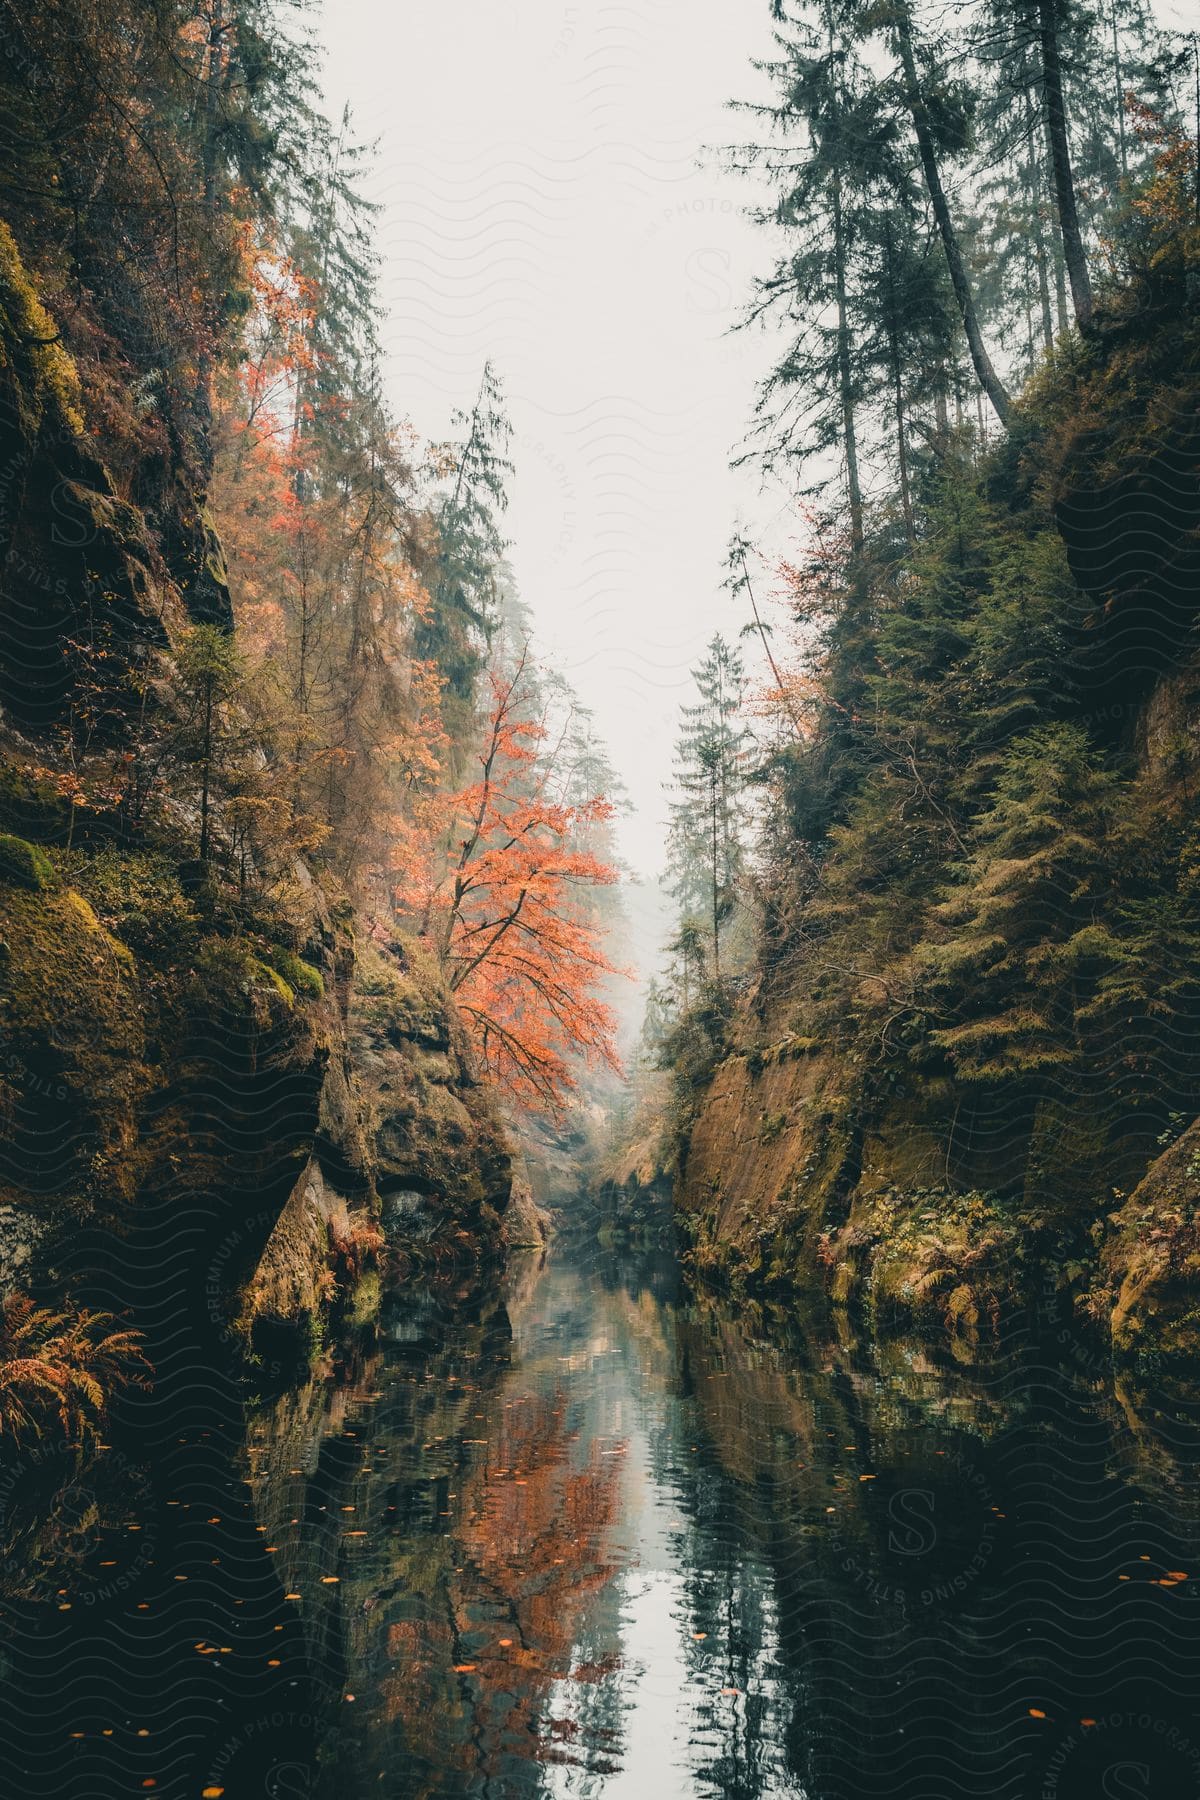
pixel 509 913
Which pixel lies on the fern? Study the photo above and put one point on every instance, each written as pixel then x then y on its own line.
pixel 64 1364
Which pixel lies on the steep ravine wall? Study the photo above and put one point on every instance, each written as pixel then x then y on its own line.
pixel 794 1181
pixel 220 1102
pixel 304 1131
pixel 930 1192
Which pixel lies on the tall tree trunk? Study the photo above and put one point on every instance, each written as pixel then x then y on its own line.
pixel 1119 83
pixel 206 769
pixel 1034 177
pixel 716 886
pixel 1060 280
pixel 845 374
pixel 1060 161
pixel 989 381
pixel 988 378
pixel 898 391
pixel 214 85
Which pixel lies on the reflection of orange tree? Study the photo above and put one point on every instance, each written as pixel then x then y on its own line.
pixel 471 1685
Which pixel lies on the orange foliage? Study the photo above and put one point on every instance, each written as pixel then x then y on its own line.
pixel 508 913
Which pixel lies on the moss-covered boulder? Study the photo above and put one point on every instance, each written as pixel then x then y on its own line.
pixel 23 865
pixel 74 1042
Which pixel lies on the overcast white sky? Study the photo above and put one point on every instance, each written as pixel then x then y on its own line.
pixel 546 203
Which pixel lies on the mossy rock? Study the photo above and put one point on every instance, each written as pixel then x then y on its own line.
pixel 29 335
pixel 28 799
pixel 302 977
pixel 68 980
pixel 74 1027
pixel 229 972
pixel 403 996
pixel 23 865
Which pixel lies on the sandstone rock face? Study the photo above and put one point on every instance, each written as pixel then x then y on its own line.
pixel 205 1096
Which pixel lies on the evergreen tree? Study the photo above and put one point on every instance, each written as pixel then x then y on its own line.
pixel 706 838
pixel 1037 880
pixel 464 594
pixel 810 401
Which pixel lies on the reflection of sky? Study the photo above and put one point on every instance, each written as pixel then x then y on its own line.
pixel 674 1721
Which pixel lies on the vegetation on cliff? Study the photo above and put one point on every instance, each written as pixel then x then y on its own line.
pixel 973 1017
pixel 250 628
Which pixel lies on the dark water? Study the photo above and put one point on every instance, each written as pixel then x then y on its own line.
pixel 595 1536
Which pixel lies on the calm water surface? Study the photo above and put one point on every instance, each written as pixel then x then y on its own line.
pixel 596 1536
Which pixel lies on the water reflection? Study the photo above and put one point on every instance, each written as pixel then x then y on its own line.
pixel 595 1537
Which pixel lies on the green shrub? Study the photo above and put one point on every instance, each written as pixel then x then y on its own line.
pixel 139 897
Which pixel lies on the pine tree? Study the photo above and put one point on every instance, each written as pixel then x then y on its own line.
pixel 1036 882
pixel 940 119
pixel 706 838
pixel 464 593
pixel 810 401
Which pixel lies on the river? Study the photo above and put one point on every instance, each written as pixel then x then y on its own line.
pixel 593 1534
